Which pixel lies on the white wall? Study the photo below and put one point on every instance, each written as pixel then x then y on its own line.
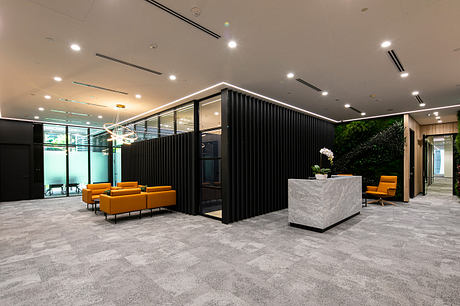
pixel 448 162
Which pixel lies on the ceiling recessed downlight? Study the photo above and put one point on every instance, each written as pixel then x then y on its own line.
pixel 138 96
pixel 439 121
pixel 438 117
pixel 324 93
pixel 87 122
pixel 436 113
pixel 36 117
pixel 385 44
pixel 404 74
pixel 172 77
pixel 422 105
pixel 347 105
pixel 415 92
pixel 47 97
pixel 216 113
pixel 75 47
pixel 100 117
pixel 41 109
pixel 290 75
pixel 363 114
pixel 57 78
pixel 232 44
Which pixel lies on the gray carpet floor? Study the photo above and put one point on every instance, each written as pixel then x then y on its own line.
pixel 55 252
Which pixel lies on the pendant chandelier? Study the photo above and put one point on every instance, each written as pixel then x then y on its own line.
pixel 120 133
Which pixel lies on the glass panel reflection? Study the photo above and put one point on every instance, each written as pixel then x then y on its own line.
pixel 211 143
pixel 54 134
pixel 184 118
pixel 210 116
pixel 152 128
pixel 167 124
pixel 99 165
pixel 78 169
pixel 54 170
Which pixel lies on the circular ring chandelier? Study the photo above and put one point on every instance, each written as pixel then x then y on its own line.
pixel 120 133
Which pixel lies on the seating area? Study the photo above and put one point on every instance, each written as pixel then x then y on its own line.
pixel 127 197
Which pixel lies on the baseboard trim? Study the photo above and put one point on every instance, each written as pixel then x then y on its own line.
pixel 321 230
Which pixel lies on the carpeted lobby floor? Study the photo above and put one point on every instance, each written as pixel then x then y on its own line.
pixel 55 252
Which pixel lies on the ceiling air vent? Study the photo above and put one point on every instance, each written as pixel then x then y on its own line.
pixel 80 102
pixel 396 60
pixel 99 87
pixel 308 84
pixel 419 99
pixel 183 18
pixel 128 64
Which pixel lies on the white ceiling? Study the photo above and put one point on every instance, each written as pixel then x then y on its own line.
pixel 331 44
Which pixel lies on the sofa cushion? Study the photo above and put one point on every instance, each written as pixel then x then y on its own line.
pixel 103 186
pixel 158 188
pixel 121 192
pixel 127 184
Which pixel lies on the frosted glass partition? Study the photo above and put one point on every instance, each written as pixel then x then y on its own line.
pixel 116 165
pixel 99 165
pixel 78 169
pixel 54 159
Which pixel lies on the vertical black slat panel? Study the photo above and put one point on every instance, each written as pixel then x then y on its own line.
pixel 267 145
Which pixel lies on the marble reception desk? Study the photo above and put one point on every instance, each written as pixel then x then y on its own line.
pixel 320 204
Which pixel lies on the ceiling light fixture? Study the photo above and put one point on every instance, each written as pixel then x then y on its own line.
pixel 216 113
pixel 57 78
pixel 404 74
pixel 363 114
pixel 438 117
pixel 41 109
pixel 47 97
pixel 290 75
pixel 422 105
pixel 87 122
pixel 172 77
pixel 36 117
pixel 439 121
pixel 347 105
pixel 100 117
pixel 436 113
pixel 324 93
pixel 75 47
pixel 138 96
pixel 232 44
pixel 415 92
pixel 385 44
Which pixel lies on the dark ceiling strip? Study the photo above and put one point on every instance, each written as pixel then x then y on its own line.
pixel 358 111
pixel 183 18
pixel 128 64
pixel 308 84
pixel 419 99
pixel 98 87
pixel 396 60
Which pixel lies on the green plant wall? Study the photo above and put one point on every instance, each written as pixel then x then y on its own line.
pixel 371 148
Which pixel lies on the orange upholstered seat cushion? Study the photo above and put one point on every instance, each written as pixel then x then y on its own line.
pixel 161 198
pixel 121 192
pixel 127 184
pixel 158 188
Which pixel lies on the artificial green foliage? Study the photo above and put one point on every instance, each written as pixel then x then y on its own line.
pixel 107 192
pixel 371 148
pixel 318 170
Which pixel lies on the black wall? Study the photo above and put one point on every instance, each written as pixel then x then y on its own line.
pixel 263 145
pixel 164 161
pixel 21 167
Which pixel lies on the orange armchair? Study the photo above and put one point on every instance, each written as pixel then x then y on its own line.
pixel 93 191
pixel 385 189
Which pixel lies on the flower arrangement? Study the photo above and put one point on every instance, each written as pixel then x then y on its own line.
pixel 319 169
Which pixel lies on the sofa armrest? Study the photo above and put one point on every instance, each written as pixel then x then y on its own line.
pixel 372 188
pixel 87 196
pixel 391 191
pixel 104 203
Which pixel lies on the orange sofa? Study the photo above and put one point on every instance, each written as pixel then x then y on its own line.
pixel 122 201
pixel 160 196
pixel 128 185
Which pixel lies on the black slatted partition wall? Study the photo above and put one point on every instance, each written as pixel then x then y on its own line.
pixel 263 146
pixel 164 161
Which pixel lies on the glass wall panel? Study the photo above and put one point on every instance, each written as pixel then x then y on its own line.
pixel 54 134
pixel 140 130
pixel 78 136
pixel 116 165
pixel 78 169
pixel 152 128
pixel 98 137
pixel 54 170
pixel 99 165
pixel 167 124
pixel 209 113
pixel 211 144
pixel 184 119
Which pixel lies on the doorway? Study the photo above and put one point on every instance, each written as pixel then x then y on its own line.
pixel 439 164
pixel 15 172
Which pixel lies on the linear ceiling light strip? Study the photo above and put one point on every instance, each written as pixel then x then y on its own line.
pixel 183 18
pixel 308 84
pixel 128 64
pixel 99 87
pixel 80 102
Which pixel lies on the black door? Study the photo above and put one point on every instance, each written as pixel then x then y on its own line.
pixel 412 164
pixel 14 172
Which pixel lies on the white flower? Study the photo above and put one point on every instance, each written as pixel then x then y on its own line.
pixel 328 153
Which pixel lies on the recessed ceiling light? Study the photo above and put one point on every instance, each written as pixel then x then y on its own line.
pixel 439 121
pixel 36 117
pixel 422 105
pixel 75 47
pixel 438 117
pixel 41 109
pixel 47 97
pixel 216 113
pixel 172 77
pixel 347 105
pixel 232 44
pixel 57 78
pixel 404 74
pixel 138 96
pixel 100 117
pixel 290 75
pixel 385 44
pixel 324 93
pixel 363 114
pixel 415 92
pixel 436 113
pixel 87 122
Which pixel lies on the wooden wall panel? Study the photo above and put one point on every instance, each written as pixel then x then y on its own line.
pixel 439 129
pixel 164 161
pixel 410 123
pixel 263 146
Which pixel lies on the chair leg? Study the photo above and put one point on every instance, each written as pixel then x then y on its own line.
pixel 115 218
pixel 105 214
pixel 151 213
pixel 388 202
pixel 140 214
pixel 373 202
